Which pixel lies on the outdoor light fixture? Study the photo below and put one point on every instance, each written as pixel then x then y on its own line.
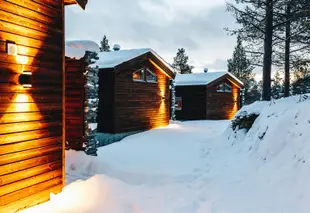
pixel 11 48
pixel 25 79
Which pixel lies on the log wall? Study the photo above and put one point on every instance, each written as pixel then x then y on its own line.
pixel 193 102
pixel 202 102
pixel 133 106
pixel 222 105
pixel 75 97
pixel 31 126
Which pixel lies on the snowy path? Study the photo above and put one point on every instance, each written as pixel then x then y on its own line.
pixel 171 153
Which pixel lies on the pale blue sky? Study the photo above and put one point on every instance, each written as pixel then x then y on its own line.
pixel 163 25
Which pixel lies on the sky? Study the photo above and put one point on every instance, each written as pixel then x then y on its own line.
pixel 163 25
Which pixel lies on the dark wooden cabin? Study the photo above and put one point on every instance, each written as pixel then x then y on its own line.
pixel 134 91
pixel 31 102
pixel 213 95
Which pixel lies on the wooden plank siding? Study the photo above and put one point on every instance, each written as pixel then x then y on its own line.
pixel 106 106
pixel 75 97
pixel 135 106
pixel 200 102
pixel 222 105
pixel 193 102
pixel 31 138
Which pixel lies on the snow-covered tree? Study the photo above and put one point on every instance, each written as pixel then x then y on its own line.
pixel 180 62
pixel 173 100
pixel 277 86
pixel 104 44
pixel 91 104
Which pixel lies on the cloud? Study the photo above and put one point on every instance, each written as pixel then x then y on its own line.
pixel 163 25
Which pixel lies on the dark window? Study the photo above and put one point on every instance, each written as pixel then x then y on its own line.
pixel 178 103
pixel 144 75
pixel 151 77
pixel 223 87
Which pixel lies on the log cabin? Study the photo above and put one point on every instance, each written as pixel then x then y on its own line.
pixel 32 123
pixel 134 91
pixel 210 95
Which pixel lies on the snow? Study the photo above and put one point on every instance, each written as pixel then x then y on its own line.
pixel 77 48
pixel 198 167
pixel 114 58
pixel 201 78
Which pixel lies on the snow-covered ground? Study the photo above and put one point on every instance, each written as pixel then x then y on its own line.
pixel 198 167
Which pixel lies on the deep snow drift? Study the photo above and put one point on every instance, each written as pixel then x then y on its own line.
pixel 195 167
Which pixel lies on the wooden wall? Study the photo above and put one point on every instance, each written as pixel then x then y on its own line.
pixel 75 97
pixel 31 147
pixel 222 105
pixel 106 108
pixel 193 102
pixel 136 105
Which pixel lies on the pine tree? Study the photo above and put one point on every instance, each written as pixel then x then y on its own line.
pixel 271 29
pixel 180 62
pixel 254 92
pixel 91 104
pixel 277 86
pixel 301 83
pixel 104 45
pixel 241 67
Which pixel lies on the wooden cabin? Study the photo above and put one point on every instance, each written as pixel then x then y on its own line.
pixel 134 91
pixel 211 95
pixel 31 101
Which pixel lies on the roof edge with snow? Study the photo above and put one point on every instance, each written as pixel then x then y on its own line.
pixel 200 79
pixel 117 58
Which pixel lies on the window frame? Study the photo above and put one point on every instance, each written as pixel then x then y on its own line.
pixel 150 81
pixel 139 80
pixel 226 85
pixel 176 106
pixel 145 71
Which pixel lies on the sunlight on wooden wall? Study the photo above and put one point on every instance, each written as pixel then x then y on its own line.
pixel 235 105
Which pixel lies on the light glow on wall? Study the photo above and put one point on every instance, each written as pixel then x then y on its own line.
pixel 235 105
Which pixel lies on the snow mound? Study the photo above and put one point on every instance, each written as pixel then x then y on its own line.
pixel 281 129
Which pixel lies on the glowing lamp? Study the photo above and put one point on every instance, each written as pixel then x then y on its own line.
pixel 25 79
pixel 11 48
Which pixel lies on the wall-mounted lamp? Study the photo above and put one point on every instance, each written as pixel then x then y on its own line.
pixel 25 79
pixel 11 48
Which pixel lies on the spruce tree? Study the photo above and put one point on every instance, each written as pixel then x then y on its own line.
pixel 104 44
pixel 91 103
pixel 241 67
pixel 277 86
pixel 301 83
pixel 180 62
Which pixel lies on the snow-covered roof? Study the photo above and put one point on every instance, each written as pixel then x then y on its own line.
pixel 77 48
pixel 114 58
pixel 201 78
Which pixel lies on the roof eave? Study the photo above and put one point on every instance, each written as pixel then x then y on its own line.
pixel 82 3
